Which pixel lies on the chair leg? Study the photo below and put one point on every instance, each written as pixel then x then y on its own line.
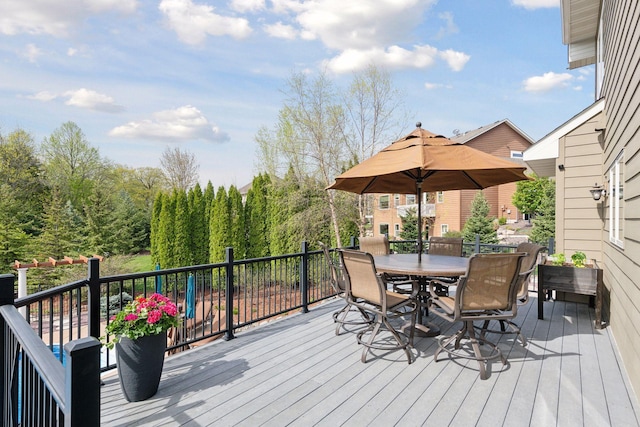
pixel 476 350
pixel 367 346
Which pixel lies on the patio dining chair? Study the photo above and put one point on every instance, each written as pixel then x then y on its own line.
pixel 487 291
pixel 379 245
pixel 342 317
pixel 367 289
pixel 529 264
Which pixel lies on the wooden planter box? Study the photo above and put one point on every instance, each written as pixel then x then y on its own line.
pixel 583 281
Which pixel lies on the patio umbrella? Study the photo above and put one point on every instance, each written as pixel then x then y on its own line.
pixel 158 281
pixel 191 298
pixel 423 161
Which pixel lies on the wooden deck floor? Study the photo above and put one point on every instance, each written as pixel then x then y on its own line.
pixel 296 371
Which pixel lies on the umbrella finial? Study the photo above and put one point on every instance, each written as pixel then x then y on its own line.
pixel 419 124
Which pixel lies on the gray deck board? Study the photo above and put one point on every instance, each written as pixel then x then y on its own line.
pixel 296 371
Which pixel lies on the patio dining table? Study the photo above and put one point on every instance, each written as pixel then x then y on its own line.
pixel 428 266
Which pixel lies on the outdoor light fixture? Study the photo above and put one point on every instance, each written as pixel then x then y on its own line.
pixel 598 191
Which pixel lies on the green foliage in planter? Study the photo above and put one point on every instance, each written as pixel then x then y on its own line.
pixel 579 259
pixel 558 259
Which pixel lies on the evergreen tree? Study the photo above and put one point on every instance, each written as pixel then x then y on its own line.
pixel 130 226
pixel 257 218
pixel 479 222
pixel 182 254
pixel 58 238
pixel 199 226
pixel 13 239
pixel 219 226
pixel 155 227
pixel 280 201
pixel 166 233
pixel 409 225
pixel 99 227
pixel 236 218
pixel 544 223
pixel 208 197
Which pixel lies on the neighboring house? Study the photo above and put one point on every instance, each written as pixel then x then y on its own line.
pixel 449 210
pixel 601 145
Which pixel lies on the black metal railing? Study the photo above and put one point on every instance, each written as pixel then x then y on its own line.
pixel 231 295
pixel 36 388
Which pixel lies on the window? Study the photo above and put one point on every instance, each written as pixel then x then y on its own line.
pixel 440 197
pixel 383 202
pixel 616 201
pixel 384 229
pixel 396 230
pixel 396 200
pixel 411 199
pixel 516 154
pixel 444 229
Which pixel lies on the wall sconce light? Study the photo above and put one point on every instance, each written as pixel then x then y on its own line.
pixel 560 167
pixel 597 192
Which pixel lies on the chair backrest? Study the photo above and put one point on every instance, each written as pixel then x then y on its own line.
pixel 490 282
pixel 361 278
pixel 529 264
pixel 451 246
pixel 336 270
pixel 376 245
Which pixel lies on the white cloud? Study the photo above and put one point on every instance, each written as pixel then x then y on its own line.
pixel 32 52
pixel 536 4
pixel 82 98
pixel 455 60
pixel 44 96
pixel 184 123
pixel 449 28
pixel 48 17
pixel 577 88
pixel 247 5
pixel 395 57
pixel 281 31
pixel 432 86
pixel 193 22
pixel 92 100
pixel 71 51
pixel 547 82
pixel 358 24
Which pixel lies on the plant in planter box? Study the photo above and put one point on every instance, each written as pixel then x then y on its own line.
pixel 579 259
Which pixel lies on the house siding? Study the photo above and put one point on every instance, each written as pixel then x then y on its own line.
pixel 579 218
pixel 621 90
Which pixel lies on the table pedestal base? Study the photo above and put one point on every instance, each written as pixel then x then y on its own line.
pixel 428 330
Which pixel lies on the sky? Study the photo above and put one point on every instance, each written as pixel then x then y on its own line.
pixel 140 76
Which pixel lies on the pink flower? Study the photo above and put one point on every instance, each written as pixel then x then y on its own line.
pixel 131 317
pixel 170 309
pixel 154 316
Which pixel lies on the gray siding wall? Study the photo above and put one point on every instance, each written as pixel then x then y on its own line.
pixel 621 90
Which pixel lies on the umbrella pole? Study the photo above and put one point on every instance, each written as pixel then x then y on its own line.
pixel 419 185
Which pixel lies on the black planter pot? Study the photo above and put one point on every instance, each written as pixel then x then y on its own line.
pixel 139 365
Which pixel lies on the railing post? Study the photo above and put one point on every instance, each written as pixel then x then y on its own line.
pixel 352 242
pixel 6 297
pixel 82 382
pixel 551 249
pixel 477 245
pixel 94 297
pixel 304 277
pixel 229 293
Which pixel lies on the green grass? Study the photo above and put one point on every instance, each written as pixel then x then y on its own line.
pixel 139 264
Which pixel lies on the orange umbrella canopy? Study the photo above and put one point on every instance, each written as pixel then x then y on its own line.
pixel 436 162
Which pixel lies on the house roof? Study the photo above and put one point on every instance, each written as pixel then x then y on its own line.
pixel 579 30
pixel 541 156
pixel 472 134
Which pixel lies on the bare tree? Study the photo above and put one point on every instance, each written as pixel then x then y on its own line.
pixel 372 106
pixel 180 168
